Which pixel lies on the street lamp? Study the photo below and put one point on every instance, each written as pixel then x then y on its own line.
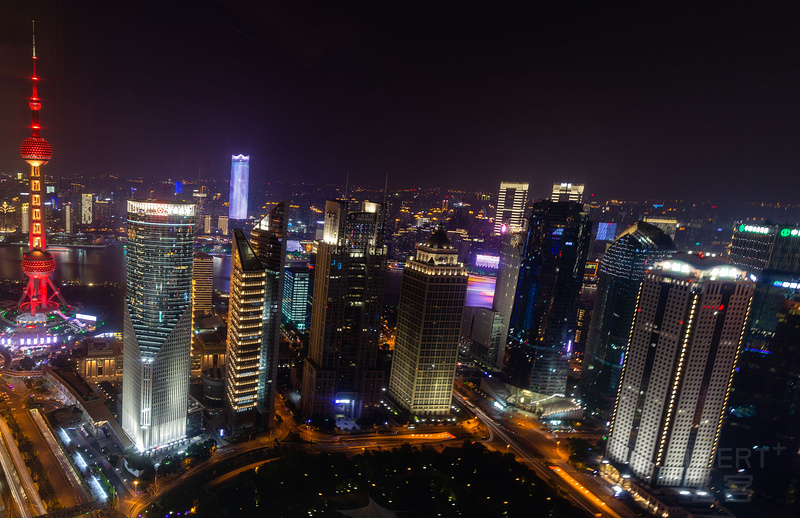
pixel 136 486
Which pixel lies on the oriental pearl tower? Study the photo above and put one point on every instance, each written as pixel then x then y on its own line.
pixel 37 263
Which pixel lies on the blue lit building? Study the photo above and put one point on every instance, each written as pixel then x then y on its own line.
pixel 157 322
pixel 620 275
pixel 240 181
pixel 297 289
pixel 544 317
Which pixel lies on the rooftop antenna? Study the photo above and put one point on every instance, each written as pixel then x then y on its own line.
pixel 346 182
pixel 385 190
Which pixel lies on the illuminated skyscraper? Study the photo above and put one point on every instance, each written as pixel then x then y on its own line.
pixel 68 218
pixel 245 336
pixel 240 182
pixel 254 323
pixel 620 275
pixel 341 375
pixel 544 319
pixel 86 209
pixel 510 207
pixel 157 324
pixel 512 250
pixel 428 328
pixel 296 292
pixel 222 224
pixel 567 192
pixel 268 239
pixel 690 318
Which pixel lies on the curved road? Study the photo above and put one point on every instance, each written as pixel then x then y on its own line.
pixel 551 469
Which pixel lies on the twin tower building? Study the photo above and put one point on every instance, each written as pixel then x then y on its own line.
pixel 342 375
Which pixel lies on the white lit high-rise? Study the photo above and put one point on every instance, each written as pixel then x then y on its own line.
pixel 565 191
pixel 254 323
pixel 157 325
pixel 686 336
pixel 511 207
pixel 428 328
pixel 239 186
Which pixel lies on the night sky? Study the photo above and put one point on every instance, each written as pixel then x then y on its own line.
pixel 640 100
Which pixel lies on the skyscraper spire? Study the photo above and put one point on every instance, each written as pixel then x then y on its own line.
pixel 37 263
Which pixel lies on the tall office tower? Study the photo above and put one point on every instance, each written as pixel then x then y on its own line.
pixel 785 254
pixel 206 224
pixel 768 248
pixel 245 336
pixel 68 218
pixel 157 324
pixel 87 202
pixel 37 263
pixel 505 291
pixel 296 307
pixel 202 286
pixel 268 239
pixel 620 275
pixel 567 192
pixel 690 317
pixel 510 215
pixel 765 399
pixel 341 375
pixel 222 224
pixel 428 328
pixel 240 182
pixel 751 246
pixel 101 214
pixel 543 321
pixel 25 223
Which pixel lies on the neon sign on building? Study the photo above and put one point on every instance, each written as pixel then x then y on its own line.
pixel 755 229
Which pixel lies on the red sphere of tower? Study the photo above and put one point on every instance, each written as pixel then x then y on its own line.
pixel 36 151
pixel 37 264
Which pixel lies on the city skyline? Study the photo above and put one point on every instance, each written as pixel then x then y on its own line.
pixel 529 93
pixel 467 237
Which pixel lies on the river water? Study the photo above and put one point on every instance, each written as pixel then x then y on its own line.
pixel 97 265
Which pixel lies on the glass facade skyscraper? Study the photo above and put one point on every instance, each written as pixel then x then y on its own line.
pixel 620 275
pixel 240 181
pixel 296 296
pixel 245 336
pixel 543 321
pixel 254 319
pixel 157 325
pixel 268 239
pixel 341 376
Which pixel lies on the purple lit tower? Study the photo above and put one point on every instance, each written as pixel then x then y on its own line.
pixel 240 179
